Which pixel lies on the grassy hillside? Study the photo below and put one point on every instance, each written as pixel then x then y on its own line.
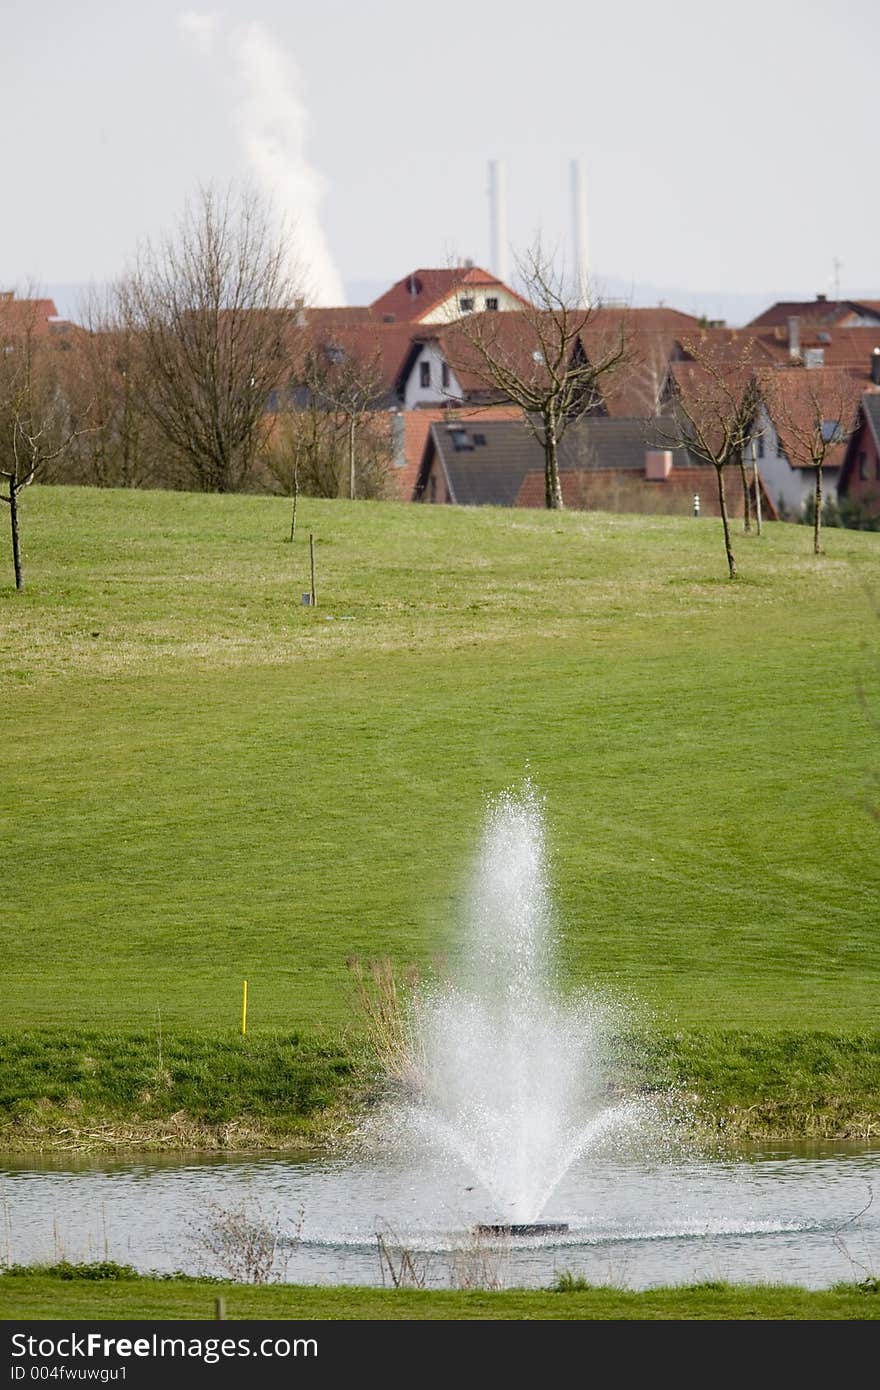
pixel 205 781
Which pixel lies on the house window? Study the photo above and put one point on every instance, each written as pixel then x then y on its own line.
pixel 461 440
pixel 780 453
pixel 444 373
pixel 760 446
pixel 479 439
pixel 424 374
pixel 466 305
pixel 492 302
pixel 863 466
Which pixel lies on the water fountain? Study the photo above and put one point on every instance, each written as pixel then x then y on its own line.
pixel 520 1133
pixel 511 1077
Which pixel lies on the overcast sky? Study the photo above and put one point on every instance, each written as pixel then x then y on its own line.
pixel 726 149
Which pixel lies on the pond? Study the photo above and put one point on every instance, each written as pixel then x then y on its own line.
pixel 797 1214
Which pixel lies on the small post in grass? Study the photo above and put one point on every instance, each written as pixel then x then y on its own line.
pixel 219 1309
pixel 312 567
pixel 243 1007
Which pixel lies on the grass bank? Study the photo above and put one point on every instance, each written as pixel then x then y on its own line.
pixel 206 782
pixel 79 1294
pixel 86 1091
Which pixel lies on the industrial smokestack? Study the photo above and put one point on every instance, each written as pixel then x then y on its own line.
pixel 579 235
pixel 498 242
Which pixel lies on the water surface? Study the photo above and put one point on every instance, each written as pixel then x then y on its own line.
pixel 787 1215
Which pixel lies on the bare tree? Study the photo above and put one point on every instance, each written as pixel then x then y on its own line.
pixel 334 441
pixel 35 429
pixel 211 308
pixel 102 374
pixel 714 400
pixel 537 358
pixel 353 389
pixel 814 410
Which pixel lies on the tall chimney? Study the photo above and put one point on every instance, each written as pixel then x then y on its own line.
pixel 875 366
pixel 794 337
pixel 498 240
pixel 579 235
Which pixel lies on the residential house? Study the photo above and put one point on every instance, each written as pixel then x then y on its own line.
pixel 859 480
pixel 794 400
pixel 21 317
pixel 604 464
pixel 441 296
pixel 821 312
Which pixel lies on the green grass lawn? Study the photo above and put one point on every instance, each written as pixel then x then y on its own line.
pixel 43 1294
pixel 205 781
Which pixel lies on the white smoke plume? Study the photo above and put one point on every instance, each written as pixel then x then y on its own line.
pixel 272 123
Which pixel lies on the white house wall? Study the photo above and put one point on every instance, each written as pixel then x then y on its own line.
pixel 792 486
pixel 436 394
pixel 450 309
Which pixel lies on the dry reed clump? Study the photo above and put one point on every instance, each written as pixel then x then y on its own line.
pixel 245 1245
pixel 481 1262
pixel 398 1265
pixel 387 1005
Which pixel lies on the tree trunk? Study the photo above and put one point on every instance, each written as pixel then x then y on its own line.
pixel 16 543
pixel 722 503
pixel 747 501
pixel 295 499
pixel 757 481
pixel 817 519
pixel 552 487
pixel 351 483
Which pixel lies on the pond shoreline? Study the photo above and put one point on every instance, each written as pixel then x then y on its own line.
pixel 83 1091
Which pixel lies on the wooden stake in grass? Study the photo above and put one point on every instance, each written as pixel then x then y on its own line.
pixel 243 1007
pixel 312 567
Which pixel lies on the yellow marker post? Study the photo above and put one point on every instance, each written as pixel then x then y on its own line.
pixel 243 1007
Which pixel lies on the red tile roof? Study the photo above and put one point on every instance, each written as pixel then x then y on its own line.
pixel 411 298
pixel 26 315
pixel 381 344
pixel 809 311
pixel 799 399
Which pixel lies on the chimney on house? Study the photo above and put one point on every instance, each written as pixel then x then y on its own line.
pixel 498 238
pixel 875 366
pixel 794 337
